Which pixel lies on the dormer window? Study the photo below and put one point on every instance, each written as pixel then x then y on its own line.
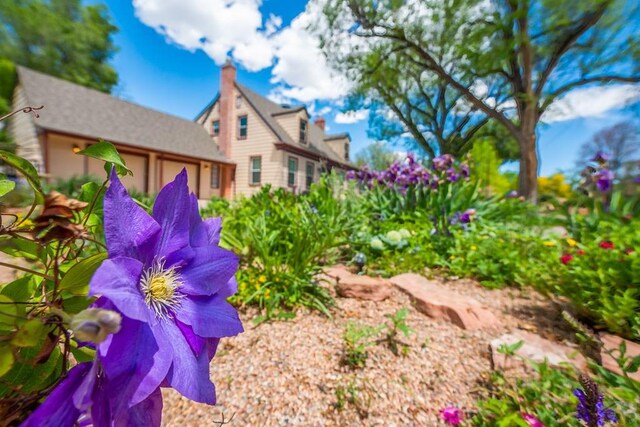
pixel 238 101
pixel 215 127
pixel 303 131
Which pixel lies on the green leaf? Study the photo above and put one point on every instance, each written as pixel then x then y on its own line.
pixel 8 313
pixel 27 170
pixel 30 334
pixel 76 281
pixel 6 186
pixel 6 359
pixel 633 366
pixel 106 152
pixel 29 376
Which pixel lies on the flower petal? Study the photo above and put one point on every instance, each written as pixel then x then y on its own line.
pixel 129 230
pixel 171 210
pixel 209 270
pixel 189 374
pixel 147 413
pixel 205 232
pixel 118 280
pixel 210 316
pixel 58 409
pixel 196 342
pixel 134 363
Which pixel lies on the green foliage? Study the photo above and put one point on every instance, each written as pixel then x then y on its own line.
pixel 72 187
pixel 503 254
pixel 63 38
pixel 604 284
pixel 549 397
pixel 283 240
pixel 486 168
pixel 357 339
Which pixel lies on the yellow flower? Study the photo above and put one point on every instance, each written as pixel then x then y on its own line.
pixel 257 286
pixel 572 243
pixel 549 243
pixel 473 247
pixel 452 257
pixel 267 294
pixel 262 278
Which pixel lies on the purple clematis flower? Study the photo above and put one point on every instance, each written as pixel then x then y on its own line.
pixel 169 279
pixel 84 397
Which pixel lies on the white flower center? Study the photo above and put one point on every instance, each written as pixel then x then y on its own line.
pixel 160 288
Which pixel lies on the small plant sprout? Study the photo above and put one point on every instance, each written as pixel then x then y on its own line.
pixel 397 324
pixel 357 339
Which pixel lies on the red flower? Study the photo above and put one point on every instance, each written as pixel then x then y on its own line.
pixel 566 258
pixel 580 251
pixel 607 244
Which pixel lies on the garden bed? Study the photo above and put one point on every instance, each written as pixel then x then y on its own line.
pixel 290 372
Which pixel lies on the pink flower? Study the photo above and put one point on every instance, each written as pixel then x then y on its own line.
pixel 532 420
pixel 607 244
pixel 451 415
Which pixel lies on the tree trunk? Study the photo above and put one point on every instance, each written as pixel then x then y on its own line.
pixel 528 176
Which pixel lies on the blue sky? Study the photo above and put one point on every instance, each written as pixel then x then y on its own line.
pixel 171 72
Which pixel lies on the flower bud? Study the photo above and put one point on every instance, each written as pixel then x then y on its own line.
pixel 94 324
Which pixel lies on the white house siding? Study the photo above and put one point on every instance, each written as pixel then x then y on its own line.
pixel 23 130
pixel 259 142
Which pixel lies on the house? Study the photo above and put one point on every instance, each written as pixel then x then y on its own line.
pixel 270 143
pixel 154 145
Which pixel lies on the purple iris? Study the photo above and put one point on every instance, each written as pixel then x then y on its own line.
pixel 169 279
pixel 452 175
pixel 351 175
pixel 604 179
pixel 601 157
pixel 636 180
pixel 442 162
pixel 464 169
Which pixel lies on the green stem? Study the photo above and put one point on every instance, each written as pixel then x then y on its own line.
pixel 27 270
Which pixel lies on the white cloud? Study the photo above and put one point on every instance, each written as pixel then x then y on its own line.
pixel 590 102
pixel 215 26
pixel 351 116
pixel 235 28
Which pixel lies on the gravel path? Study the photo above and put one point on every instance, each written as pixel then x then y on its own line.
pixel 289 373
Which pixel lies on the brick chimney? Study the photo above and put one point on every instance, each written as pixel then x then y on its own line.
pixel 320 122
pixel 227 87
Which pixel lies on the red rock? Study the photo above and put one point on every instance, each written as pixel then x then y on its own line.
pixel 534 348
pixel 337 271
pixel 611 343
pixel 363 287
pixel 440 303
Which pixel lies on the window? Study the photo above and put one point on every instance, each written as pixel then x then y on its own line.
pixel 255 167
pixel 215 176
pixel 303 131
pixel 216 127
pixel 311 169
pixel 242 127
pixel 238 101
pixel 346 151
pixel 293 171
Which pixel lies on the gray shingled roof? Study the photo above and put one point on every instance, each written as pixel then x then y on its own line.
pixel 267 109
pixel 81 111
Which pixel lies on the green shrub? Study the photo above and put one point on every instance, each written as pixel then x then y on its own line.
pixel 602 277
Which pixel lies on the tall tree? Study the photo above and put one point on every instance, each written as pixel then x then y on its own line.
pixel 621 142
pixel 376 156
pixel 508 60
pixel 60 37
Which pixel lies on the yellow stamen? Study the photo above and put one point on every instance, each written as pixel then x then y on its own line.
pixel 160 288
